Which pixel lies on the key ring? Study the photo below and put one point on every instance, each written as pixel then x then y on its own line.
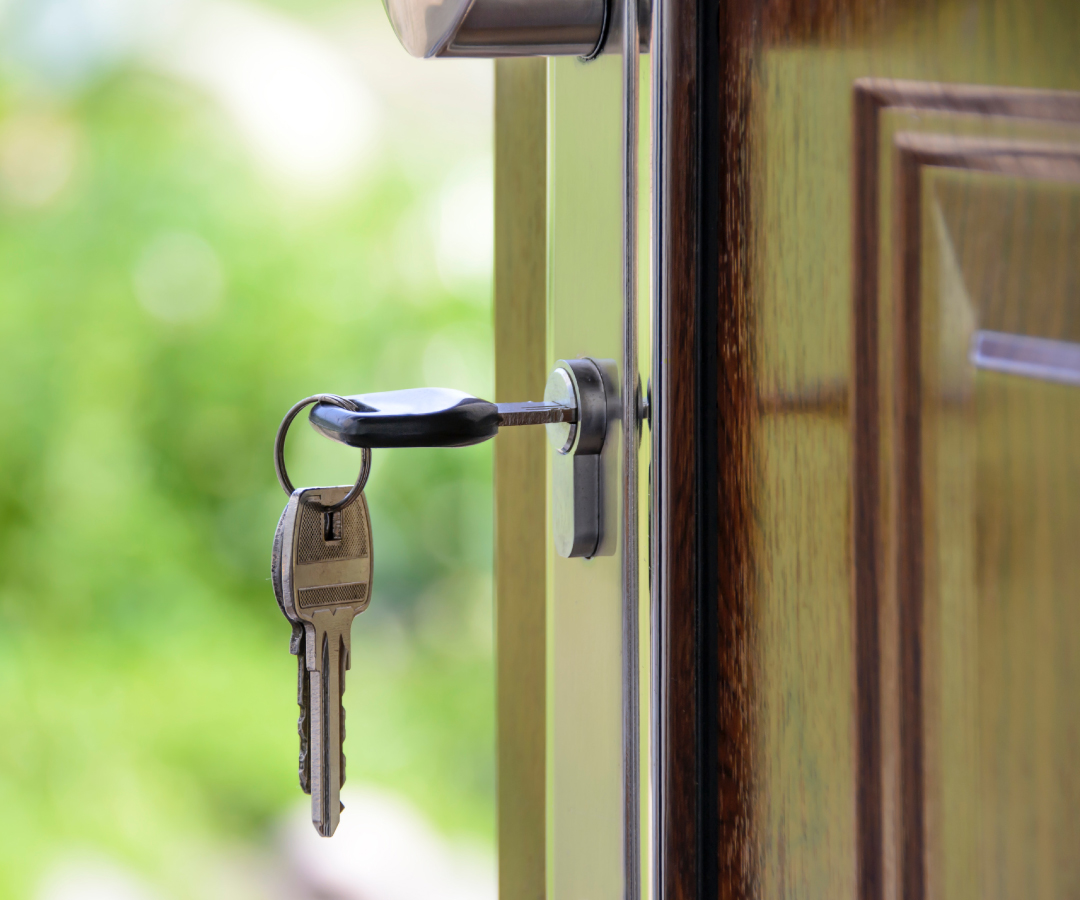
pixel 279 449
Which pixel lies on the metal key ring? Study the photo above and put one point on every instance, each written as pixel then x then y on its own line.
pixel 279 449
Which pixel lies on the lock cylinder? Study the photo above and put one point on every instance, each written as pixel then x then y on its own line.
pixel 576 466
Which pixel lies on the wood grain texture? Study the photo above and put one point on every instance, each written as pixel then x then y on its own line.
pixel 909 532
pixel 726 414
pixel 677 706
pixel 866 494
pixel 871 98
pixel 999 484
pixel 1024 794
pixel 704 406
pixel 779 637
pixel 914 154
pixel 521 536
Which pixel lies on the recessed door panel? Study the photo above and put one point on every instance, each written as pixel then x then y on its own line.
pixel 989 504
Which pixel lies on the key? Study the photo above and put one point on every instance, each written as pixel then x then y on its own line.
pixel 297 649
pixel 297 646
pixel 322 577
pixel 322 558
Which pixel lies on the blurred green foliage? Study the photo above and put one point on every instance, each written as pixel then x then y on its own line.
pixel 147 697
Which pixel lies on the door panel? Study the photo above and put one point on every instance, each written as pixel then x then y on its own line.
pixel 987 489
pixel 956 129
pixel 830 708
pixel 1026 718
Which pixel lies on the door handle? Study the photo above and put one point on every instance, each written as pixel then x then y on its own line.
pixel 581 403
pixel 496 28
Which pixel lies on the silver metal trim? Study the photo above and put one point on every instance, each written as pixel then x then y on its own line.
pixel 605 24
pixel 631 47
pixel 656 431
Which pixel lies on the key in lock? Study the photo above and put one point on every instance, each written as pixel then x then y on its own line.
pixel 321 562
pixel 580 407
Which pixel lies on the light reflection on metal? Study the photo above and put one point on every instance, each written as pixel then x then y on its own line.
pixel 489 29
pixel 1029 357
pixel 532 412
pixel 631 398
pixel 497 28
pixel 588 387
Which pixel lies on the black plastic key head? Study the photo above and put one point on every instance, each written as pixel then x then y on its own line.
pixel 429 417
pixel 420 417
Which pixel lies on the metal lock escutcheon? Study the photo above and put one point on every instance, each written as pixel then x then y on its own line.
pixel 577 483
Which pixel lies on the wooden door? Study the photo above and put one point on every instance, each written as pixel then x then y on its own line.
pixel 865 381
pixel 866 394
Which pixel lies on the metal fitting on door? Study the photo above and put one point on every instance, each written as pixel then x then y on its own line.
pixel 489 29
pixel 493 28
pixel 586 385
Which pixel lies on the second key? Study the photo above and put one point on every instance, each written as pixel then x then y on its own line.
pixel 323 571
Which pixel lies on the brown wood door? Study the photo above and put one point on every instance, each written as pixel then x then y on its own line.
pixel 867 408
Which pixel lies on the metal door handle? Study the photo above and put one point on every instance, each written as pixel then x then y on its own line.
pixel 494 28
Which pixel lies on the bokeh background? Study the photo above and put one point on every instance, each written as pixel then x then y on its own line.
pixel 208 210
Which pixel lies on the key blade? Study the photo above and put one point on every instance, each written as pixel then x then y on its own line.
pixel 303 700
pixel 327 717
pixel 535 412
